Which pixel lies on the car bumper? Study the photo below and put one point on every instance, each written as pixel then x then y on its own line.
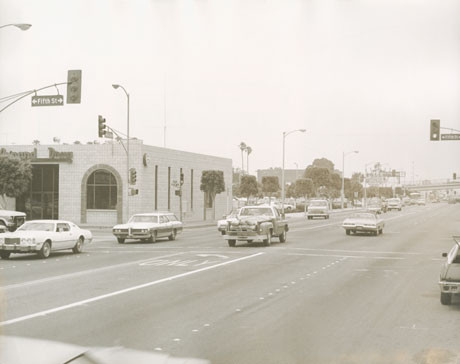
pixel 244 235
pixel 17 248
pixel 133 236
pixel 363 229
pixel 449 287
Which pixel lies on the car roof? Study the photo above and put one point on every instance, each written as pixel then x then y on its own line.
pixel 52 221
pixel 156 213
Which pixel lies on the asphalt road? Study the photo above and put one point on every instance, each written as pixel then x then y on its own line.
pixel 321 297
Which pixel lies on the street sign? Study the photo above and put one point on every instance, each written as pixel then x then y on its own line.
pixel 450 136
pixel 48 100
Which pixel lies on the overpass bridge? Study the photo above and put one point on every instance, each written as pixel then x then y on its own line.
pixel 433 185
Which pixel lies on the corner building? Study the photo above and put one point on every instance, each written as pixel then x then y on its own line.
pixel 88 183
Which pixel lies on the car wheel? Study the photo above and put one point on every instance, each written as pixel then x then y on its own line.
pixel 446 298
pixel 381 231
pixel 282 237
pixel 232 243
pixel 222 233
pixel 45 251
pixel 121 240
pixel 5 255
pixel 268 241
pixel 348 232
pixel 78 248
pixel 173 235
pixel 153 237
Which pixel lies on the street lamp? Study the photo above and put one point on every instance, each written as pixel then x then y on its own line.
pixel 248 151
pixel 343 174
pixel 20 26
pixel 115 86
pixel 285 134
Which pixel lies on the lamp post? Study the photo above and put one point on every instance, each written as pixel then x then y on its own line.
pixel 115 86
pixel 248 151
pixel 18 25
pixel 285 134
pixel 343 174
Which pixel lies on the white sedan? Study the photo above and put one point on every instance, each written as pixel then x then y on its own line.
pixel 43 237
pixel 363 222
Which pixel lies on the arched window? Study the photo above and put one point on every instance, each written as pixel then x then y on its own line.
pixel 101 191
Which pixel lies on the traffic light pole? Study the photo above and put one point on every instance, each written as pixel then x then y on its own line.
pixel 30 92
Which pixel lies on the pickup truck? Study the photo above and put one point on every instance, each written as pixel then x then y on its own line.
pixel 256 223
pixel 449 280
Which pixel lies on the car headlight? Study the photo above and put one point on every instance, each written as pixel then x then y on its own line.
pixel 27 240
pixel 2 240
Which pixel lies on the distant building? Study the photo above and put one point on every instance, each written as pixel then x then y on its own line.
pixel 290 175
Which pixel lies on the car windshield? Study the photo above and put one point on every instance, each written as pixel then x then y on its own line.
pixel 318 203
pixel 143 218
pixel 363 215
pixel 394 200
pixel 265 211
pixel 37 226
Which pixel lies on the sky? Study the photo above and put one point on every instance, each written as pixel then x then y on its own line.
pixel 360 75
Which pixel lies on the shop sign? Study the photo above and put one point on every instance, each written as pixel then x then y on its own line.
pixel 53 155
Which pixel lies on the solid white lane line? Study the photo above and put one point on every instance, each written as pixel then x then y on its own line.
pixel 346 256
pixel 81 273
pixel 123 291
pixel 357 251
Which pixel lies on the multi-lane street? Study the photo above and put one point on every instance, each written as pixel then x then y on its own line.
pixel 321 297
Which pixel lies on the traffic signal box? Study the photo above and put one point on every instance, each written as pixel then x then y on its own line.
pixel 132 176
pixel 435 129
pixel 102 126
pixel 74 86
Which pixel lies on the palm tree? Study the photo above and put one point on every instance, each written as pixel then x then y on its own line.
pixel 243 147
pixel 248 151
pixel 36 142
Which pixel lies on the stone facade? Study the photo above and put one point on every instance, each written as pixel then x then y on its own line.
pixel 157 169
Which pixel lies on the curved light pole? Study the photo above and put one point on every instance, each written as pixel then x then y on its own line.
pixel 285 134
pixel 18 25
pixel 343 174
pixel 115 86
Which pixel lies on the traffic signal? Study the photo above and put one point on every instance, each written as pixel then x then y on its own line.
pixel 133 191
pixel 102 126
pixel 455 175
pixel 181 179
pixel 435 129
pixel 132 176
pixel 74 86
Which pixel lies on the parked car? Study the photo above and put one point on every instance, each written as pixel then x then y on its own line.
pixel 43 237
pixel 12 219
pixel 149 227
pixel 449 279
pixel 256 223
pixel 363 222
pixel 318 208
pixel 394 204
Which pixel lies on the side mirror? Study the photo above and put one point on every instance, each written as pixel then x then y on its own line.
pixel 444 255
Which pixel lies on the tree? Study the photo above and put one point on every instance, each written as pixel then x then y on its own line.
pixel 270 185
pixel 323 163
pixel 15 177
pixel 243 147
pixel 248 186
pixel 36 142
pixel 212 183
pixel 304 187
pixel 319 176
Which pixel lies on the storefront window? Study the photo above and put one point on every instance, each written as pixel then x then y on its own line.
pixel 102 191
